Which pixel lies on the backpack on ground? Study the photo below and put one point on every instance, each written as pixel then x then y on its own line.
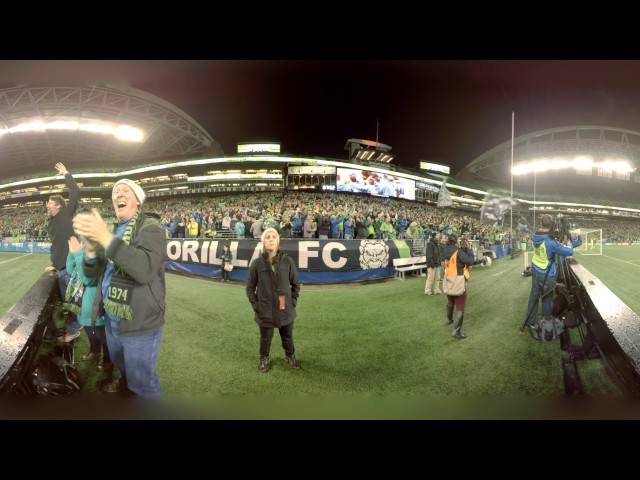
pixel 548 329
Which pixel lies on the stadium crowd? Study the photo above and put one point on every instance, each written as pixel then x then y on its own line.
pixel 309 215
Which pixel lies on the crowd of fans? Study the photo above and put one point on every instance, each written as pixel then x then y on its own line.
pixel 310 215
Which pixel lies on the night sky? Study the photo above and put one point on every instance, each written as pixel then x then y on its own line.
pixel 441 111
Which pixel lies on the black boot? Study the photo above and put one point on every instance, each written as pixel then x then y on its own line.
pixel 293 363
pixel 264 364
pixel 449 314
pixel 457 325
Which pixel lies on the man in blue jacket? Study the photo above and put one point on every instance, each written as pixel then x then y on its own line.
pixel 544 269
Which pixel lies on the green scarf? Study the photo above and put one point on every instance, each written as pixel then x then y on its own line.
pixel 71 293
pixel 116 309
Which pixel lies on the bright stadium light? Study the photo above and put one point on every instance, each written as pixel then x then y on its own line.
pixel 583 161
pixel 618 166
pixel 128 134
pixel 579 162
pixel 122 132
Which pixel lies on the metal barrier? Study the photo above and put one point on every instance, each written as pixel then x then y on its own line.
pixel 21 333
pixel 609 328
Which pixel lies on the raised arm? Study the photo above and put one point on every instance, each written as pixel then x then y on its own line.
pixel 74 191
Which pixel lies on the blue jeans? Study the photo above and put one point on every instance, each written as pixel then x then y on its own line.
pixel 136 357
pixel 63 281
pixel 537 280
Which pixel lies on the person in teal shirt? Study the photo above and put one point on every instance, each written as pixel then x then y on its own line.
pixel 82 290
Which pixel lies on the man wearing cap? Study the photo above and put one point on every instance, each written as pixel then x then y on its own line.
pixel 131 288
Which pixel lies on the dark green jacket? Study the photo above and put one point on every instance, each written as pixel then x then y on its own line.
pixel 142 261
pixel 433 254
pixel 264 288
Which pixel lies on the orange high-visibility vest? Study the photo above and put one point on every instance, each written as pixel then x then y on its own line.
pixel 451 266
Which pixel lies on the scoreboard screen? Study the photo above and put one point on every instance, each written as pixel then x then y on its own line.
pixel 375 183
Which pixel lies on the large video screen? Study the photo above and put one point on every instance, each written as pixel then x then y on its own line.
pixel 374 183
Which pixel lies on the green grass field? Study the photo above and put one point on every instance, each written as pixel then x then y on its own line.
pixel 380 350
pixel 618 268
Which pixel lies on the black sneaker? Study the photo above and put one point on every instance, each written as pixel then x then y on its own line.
pixel 264 364
pixel 293 363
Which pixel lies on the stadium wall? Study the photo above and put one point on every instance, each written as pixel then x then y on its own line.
pixel 26 247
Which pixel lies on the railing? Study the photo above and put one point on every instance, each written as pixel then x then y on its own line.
pixel 21 334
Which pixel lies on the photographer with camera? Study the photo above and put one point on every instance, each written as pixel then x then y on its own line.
pixel 544 269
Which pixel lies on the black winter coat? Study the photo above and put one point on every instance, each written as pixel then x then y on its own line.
pixel 433 254
pixel 265 286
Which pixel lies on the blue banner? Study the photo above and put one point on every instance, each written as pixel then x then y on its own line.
pixel 26 247
pixel 318 261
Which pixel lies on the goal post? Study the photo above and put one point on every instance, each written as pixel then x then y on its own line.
pixel 591 242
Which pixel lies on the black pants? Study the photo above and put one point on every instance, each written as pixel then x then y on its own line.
pixel 223 273
pixel 286 335
pixel 98 341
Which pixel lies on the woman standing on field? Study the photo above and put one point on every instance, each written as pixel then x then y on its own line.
pixel 273 289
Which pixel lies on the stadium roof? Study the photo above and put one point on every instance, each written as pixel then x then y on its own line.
pixel 599 142
pixel 168 133
pixel 495 164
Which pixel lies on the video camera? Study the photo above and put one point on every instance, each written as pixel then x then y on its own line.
pixel 561 228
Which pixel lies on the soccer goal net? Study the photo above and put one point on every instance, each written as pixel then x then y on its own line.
pixel 591 242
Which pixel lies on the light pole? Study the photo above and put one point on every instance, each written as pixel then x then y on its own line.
pixel 513 116
pixel 535 178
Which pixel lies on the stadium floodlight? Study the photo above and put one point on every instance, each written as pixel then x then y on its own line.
pixel 122 132
pixel 580 162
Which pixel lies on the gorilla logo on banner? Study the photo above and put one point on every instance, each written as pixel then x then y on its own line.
pixel 374 254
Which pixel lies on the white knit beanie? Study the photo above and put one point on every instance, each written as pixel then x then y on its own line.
pixel 137 189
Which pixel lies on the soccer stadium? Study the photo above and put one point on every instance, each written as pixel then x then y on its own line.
pixel 371 342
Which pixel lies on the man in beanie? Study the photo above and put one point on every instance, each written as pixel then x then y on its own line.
pixel 273 289
pixel 129 265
